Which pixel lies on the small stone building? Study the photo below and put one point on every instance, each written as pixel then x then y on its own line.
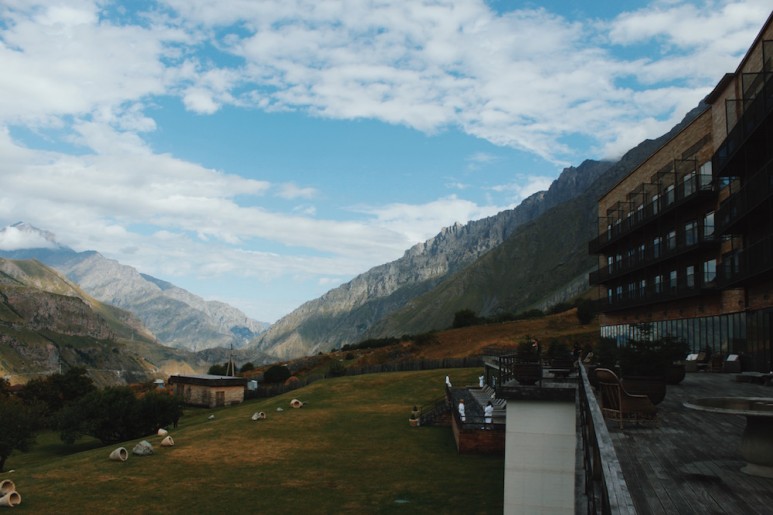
pixel 209 390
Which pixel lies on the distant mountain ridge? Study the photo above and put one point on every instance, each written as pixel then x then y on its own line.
pixel 533 255
pixel 175 316
pixel 48 324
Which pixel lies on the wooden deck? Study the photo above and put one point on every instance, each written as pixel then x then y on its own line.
pixel 691 462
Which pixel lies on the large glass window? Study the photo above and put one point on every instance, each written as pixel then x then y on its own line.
pixel 658 283
pixel 671 240
pixel 656 244
pixel 672 277
pixel 655 204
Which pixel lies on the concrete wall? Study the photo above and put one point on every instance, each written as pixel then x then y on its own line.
pixel 540 457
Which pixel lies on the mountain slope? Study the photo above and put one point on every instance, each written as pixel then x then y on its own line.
pixel 176 317
pixel 531 256
pixel 47 323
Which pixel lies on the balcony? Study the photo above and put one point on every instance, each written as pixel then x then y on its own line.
pixel 756 191
pixel 653 256
pixel 747 264
pixel 683 194
pixel 687 286
pixel 755 112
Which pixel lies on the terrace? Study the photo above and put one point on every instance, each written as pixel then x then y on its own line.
pixel 691 462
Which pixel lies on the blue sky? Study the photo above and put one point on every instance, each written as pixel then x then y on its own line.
pixel 262 153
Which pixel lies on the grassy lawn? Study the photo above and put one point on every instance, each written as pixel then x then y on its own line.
pixel 349 449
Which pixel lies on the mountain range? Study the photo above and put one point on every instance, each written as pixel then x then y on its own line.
pixel 49 324
pixel 532 256
pixel 176 317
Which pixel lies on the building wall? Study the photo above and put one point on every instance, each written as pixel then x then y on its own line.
pixel 198 395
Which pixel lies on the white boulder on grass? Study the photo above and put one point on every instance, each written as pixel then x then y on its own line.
pixel 144 448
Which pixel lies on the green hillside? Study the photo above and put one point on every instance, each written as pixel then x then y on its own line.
pixel 350 449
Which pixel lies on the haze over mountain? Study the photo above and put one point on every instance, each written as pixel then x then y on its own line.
pixel 175 316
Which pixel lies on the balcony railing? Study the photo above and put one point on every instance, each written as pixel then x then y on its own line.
pixel 605 489
pixel 685 193
pixel 755 112
pixel 747 264
pixel 755 191
pixel 654 255
pixel 686 286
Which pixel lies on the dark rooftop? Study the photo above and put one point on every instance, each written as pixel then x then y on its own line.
pixel 691 462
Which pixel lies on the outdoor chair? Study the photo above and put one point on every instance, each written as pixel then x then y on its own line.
pixel 617 404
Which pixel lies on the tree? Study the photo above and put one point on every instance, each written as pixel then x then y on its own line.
pixel 247 367
pixel 58 390
pixel 465 318
pixel 276 374
pixel 19 423
pixel 218 370
pixel 585 311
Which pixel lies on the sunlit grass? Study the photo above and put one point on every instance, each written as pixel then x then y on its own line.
pixel 349 449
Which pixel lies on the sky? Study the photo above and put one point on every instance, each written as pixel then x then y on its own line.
pixel 261 153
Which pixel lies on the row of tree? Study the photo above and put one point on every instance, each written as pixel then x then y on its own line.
pixel 71 404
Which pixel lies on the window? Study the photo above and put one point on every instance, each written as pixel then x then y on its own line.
pixel 656 244
pixel 642 252
pixel 690 276
pixel 704 174
pixel 671 239
pixel 668 196
pixel 655 204
pixel 672 277
pixel 642 287
pixel 709 271
pixel 619 292
pixel 610 295
pixel 688 184
pixel 708 225
pixel 690 233
pixel 658 283
pixel 610 264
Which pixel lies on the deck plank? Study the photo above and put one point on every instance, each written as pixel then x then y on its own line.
pixel 691 462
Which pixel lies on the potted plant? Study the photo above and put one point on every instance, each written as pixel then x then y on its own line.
pixel 646 363
pixel 605 355
pixel 528 369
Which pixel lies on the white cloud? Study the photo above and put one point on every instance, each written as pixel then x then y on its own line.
pixel 524 187
pixel 11 238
